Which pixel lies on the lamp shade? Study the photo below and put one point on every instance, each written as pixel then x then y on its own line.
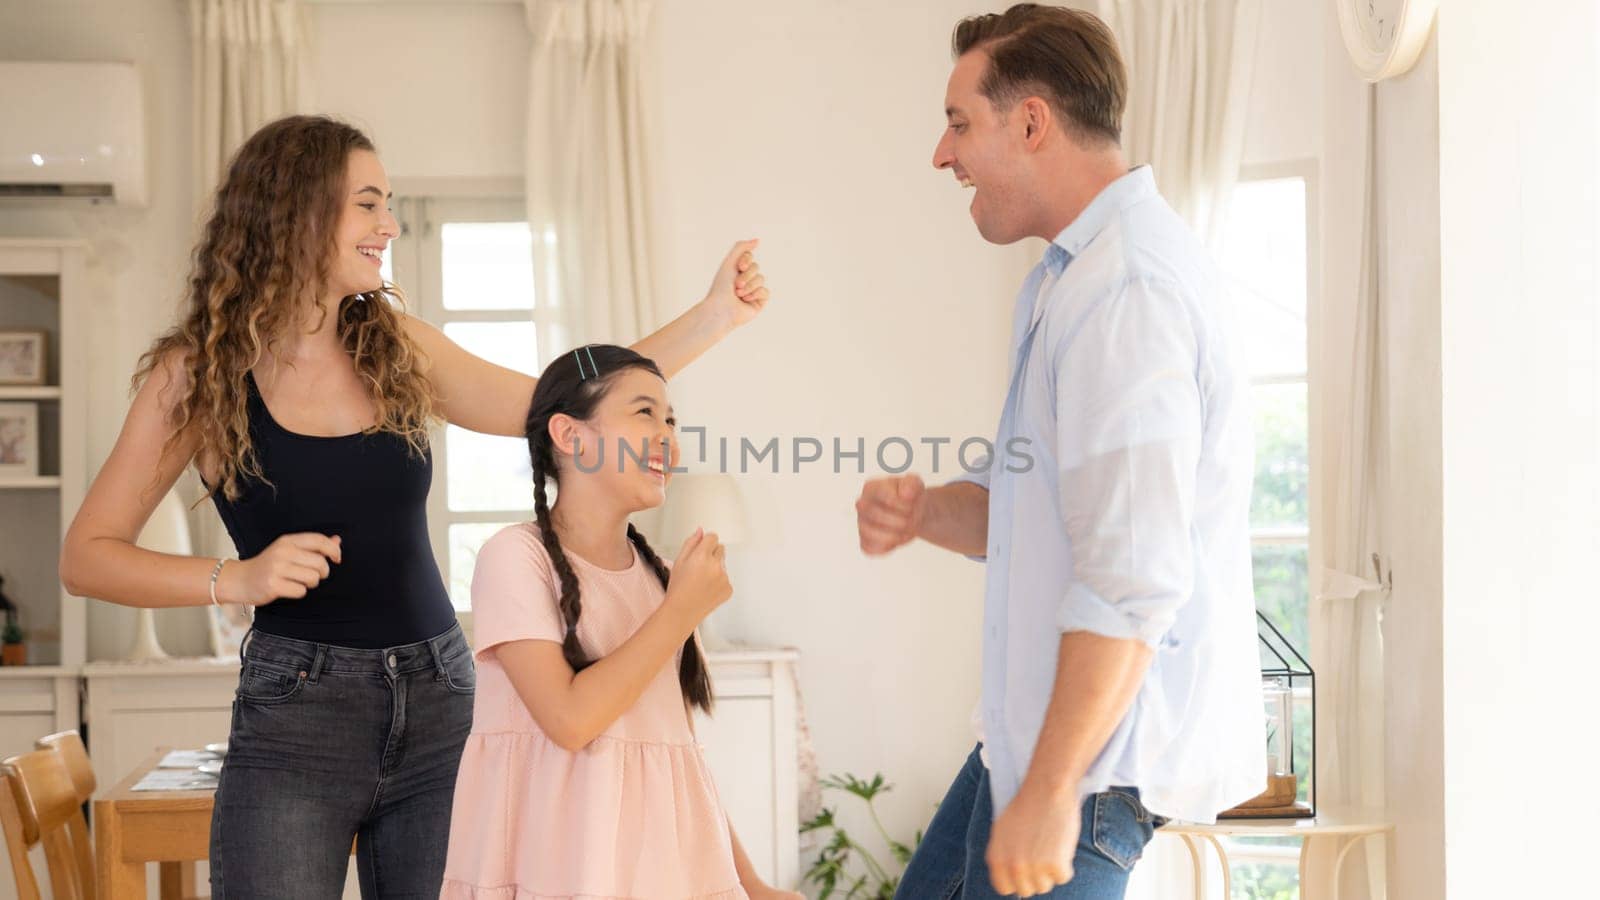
pixel 166 532
pixel 710 501
pixel 168 528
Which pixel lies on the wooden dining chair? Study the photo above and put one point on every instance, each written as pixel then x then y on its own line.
pixel 18 838
pixel 70 747
pixel 44 801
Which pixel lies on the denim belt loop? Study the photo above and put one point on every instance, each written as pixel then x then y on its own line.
pixel 316 663
pixel 244 645
pixel 438 654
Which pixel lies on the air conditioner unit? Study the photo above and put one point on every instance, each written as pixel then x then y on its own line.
pixel 71 131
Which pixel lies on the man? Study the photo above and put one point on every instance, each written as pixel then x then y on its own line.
pixel 1120 685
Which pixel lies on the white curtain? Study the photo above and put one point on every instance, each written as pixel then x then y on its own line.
pixel 1352 587
pixel 1189 68
pixel 588 172
pixel 249 68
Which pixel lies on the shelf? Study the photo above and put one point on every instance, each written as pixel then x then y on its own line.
pixel 53 272
pixel 172 665
pixel 734 653
pixel 29 392
pixel 43 482
pixel 32 670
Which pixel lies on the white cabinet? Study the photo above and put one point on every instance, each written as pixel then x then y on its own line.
pixel 751 745
pixel 35 701
pixel 132 708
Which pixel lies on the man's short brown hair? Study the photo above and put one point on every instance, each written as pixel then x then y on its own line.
pixel 1066 57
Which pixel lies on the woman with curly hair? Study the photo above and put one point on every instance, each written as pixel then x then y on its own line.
pixel 302 393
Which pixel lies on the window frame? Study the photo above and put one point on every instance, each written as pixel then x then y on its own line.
pixel 1312 379
pixel 423 207
pixel 1306 170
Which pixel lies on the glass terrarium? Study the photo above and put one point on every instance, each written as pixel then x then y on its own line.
pixel 1278 698
pixel 1289 697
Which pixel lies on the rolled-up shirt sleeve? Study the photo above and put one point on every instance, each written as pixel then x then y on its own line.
pixel 1128 446
pixel 978 474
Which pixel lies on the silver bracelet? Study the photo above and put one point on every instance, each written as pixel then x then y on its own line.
pixel 214 573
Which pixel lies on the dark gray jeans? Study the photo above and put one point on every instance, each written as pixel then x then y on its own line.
pixel 333 744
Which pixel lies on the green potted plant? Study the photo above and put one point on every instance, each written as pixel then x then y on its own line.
pixel 834 871
pixel 13 652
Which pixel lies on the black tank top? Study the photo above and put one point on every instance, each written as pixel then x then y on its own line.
pixel 372 492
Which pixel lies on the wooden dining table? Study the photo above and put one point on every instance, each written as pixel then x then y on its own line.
pixel 135 828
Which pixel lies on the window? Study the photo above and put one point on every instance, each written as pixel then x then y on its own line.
pixel 465 264
pixel 1264 258
pixel 1267 263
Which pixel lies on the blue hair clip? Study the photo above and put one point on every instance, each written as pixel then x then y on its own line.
pixel 594 370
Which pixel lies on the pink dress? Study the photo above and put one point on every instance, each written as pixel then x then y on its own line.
pixel 632 815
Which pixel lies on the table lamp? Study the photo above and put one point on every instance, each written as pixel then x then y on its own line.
pixel 166 532
pixel 710 501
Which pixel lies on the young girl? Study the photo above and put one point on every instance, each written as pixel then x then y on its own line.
pixel 581 778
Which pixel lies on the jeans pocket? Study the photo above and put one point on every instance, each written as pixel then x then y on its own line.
pixel 264 684
pixel 459 674
pixel 1121 828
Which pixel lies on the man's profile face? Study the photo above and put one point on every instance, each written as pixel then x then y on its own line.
pixel 981 150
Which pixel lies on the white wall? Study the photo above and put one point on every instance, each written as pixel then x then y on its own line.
pixel 1407 189
pixel 1518 185
pixel 440 87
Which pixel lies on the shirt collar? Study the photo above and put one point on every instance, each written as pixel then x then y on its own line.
pixel 1056 258
pixel 1112 199
pixel 1139 184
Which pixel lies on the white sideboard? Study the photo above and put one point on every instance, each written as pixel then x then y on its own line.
pixel 752 746
pixel 35 701
pixel 132 708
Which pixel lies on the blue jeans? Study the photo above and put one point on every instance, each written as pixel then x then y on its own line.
pixel 332 744
pixel 950 861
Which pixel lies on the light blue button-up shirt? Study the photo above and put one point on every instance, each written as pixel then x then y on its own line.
pixel 1131 521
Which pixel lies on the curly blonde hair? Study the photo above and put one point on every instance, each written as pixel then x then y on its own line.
pixel 268 243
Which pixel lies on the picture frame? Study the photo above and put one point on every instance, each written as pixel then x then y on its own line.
pixel 24 357
pixel 19 441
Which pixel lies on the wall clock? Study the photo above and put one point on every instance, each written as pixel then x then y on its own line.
pixel 1385 37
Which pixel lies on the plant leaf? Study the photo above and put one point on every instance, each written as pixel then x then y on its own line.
pixel 823 819
pixel 832 870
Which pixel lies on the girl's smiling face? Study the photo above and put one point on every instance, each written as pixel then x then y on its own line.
pixel 630 442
